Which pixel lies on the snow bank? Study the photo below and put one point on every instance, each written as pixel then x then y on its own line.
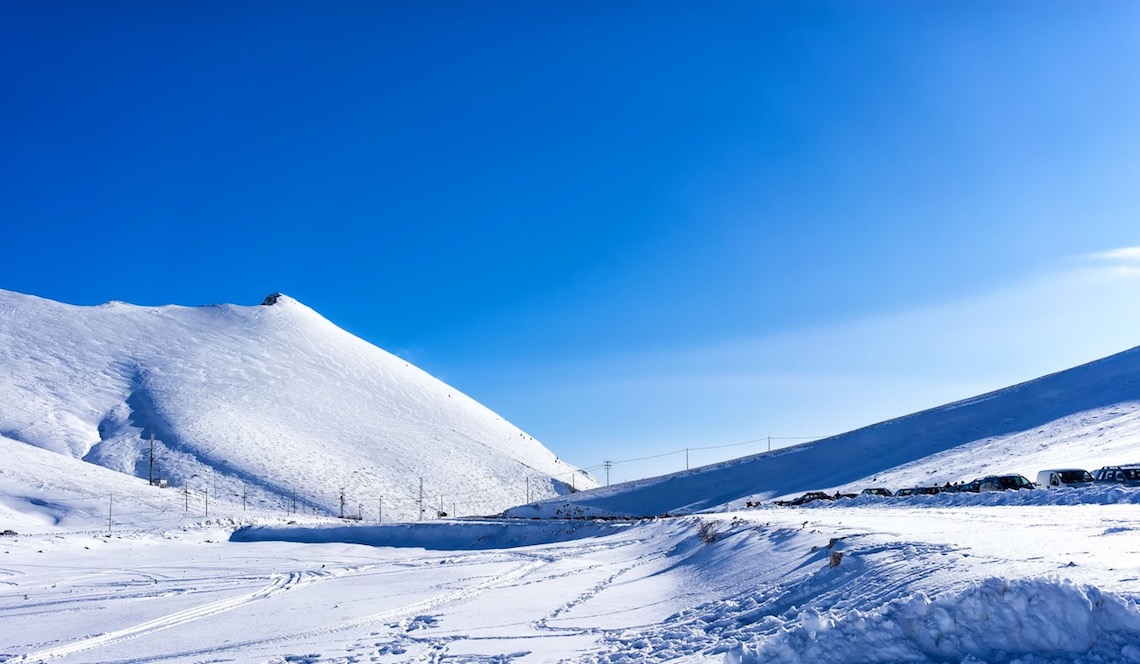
pixel 438 536
pixel 996 620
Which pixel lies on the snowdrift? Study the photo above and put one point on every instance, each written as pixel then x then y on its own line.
pixel 272 404
pixel 997 620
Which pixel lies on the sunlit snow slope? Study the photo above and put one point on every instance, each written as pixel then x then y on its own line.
pixel 272 401
pixel 1083 417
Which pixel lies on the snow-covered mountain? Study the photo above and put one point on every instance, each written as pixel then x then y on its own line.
pixel 1084 417
pixel 104 568
pixel 272 403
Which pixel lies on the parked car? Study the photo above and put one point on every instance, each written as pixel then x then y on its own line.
pixel 1127 475
pixel 1004 483
pixel 970 487
pixel 1060 478
pixel 807 498
pixel 918 491
pixel 876 491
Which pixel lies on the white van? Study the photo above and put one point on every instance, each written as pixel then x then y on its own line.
pixel 1059 478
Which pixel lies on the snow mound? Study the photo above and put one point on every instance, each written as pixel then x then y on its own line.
pixel 1031 621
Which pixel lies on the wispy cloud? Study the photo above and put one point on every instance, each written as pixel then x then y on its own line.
pixel 1121 255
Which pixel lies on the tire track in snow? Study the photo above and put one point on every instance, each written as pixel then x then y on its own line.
pixel 399 613
pixel 543 623
pixel 281 583
pixel 417 608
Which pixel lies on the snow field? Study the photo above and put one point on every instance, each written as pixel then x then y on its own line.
pixel 925 584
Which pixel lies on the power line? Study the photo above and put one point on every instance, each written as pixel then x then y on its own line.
pixel 709 447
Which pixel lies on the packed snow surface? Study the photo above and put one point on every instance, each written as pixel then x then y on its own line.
pixel 271 403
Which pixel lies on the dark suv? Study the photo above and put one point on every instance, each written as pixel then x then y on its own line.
pixel 1004 483
pixel 970 487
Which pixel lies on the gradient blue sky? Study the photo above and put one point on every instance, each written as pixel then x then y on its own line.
pixel 630 228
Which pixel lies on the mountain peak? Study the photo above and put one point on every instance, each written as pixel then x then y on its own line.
pixel 279 401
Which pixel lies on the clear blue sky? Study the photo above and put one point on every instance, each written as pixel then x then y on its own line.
pixel 628 227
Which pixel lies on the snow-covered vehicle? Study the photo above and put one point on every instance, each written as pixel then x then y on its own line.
pixel 970 487
pixel 876 491
pixel 1004 483
pixel 1128 475
pixel 1060 478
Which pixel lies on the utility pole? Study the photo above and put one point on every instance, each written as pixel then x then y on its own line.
pixel 243 494
pixel 380 509
pixel 421 499
pixel 686 458
pixel 206 495
pixel 151 473
pixel 608 465
pixel 342 502
pixel 186 493
pixel 769 443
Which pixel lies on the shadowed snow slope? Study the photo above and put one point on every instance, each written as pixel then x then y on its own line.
pixel 271 401
pixel 1087 417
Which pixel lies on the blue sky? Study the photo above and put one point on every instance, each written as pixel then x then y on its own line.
pixel 629 229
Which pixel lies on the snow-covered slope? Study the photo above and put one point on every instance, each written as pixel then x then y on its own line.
pixel 273 402
pixel 1087 416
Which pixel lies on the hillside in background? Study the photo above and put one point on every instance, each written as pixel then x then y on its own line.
pixel 1083 417
pixel 272 404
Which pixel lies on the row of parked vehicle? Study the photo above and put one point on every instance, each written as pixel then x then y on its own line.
pixel 1053 478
